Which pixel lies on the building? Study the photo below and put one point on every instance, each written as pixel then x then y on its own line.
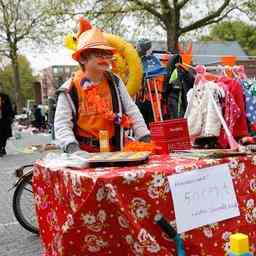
pixel 207 53
pixel 210 54
pixel 52 78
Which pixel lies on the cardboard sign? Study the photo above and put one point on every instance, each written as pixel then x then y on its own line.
pixel 203 196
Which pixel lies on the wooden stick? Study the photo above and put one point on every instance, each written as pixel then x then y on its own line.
pixel 151 99
pixel 158 100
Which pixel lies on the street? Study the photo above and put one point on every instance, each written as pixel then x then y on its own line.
pixel 14 239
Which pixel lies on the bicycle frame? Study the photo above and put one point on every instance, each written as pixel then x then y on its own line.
pixel 19 173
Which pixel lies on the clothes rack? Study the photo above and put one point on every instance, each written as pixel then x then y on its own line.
pixel 232 142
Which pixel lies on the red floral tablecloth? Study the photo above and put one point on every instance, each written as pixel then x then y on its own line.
pixel 110 211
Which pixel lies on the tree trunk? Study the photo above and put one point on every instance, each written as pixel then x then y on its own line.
pixel 172 39
pixel 172 30
pixel 16 79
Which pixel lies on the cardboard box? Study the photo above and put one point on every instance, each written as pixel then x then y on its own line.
pixel 171 134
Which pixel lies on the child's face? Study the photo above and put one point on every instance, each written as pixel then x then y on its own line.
pixel 97 60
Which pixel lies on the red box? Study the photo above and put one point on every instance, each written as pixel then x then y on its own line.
pixel 171 134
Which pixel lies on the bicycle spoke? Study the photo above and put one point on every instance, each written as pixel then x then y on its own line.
pixel 30 190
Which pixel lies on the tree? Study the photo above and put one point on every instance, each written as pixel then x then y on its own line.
pixel 250 9
pixel 171 15
pixel 239 31
pixel 27 79
pixel 26 21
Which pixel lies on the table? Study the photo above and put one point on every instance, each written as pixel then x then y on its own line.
pixel 110 211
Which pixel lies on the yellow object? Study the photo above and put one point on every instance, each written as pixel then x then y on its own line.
pixel 239 243
pixel 104 141
pixel 70 42
pixel 129 63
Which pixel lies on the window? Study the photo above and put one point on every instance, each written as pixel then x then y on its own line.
pixel 67 70
pixel 55 70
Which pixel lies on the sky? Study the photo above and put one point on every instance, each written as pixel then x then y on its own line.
pixel 39 61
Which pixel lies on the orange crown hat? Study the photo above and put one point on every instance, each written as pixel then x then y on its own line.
pixel 89 37
pixel 84 25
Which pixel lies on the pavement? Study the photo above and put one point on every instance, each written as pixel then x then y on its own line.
pixel 14 239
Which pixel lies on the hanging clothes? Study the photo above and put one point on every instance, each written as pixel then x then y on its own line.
pixel 175 92
pixel 234 87
pixel 231 113
pixel 250 101
pixel 145 108
pixel 200 113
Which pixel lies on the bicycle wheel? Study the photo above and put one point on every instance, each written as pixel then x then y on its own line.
pixel 24 205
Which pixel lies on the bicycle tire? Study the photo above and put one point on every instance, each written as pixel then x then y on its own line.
pixel 16 205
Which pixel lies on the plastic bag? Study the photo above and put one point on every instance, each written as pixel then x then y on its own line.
pixel 78 159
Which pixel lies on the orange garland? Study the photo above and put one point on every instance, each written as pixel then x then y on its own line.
pixel 102 107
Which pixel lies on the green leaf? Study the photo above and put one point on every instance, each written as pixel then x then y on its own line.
pixel 26 77
pixel 239 31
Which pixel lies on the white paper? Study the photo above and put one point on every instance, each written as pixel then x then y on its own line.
pixel 203 196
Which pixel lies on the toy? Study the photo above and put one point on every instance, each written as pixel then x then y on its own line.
pixel 239 245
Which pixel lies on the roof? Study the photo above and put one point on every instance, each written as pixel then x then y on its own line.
pixel 215 49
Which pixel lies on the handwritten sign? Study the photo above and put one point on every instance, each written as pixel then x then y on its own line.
pixel 203 196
